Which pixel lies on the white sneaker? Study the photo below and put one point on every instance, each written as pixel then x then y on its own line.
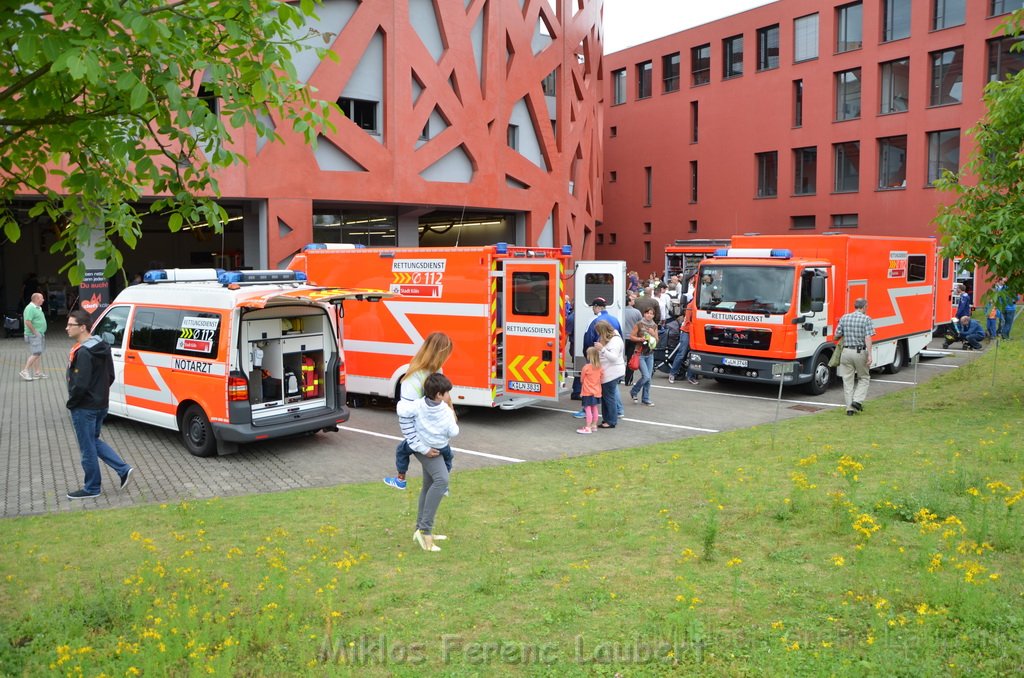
pixel 25 375
pixel 671 379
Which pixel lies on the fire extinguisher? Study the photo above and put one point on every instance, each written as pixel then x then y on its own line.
pixel 310 378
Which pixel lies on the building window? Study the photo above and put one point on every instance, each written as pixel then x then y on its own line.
pixel 647 251
pixel 943 153
pixel 895 86
pixel 600 238
pixel 805 170
pixel 613 131
pixel 844 221
pixel 1004 6
pixel 513 137
pixel 947 77
pixel 693 225
pixel 362 113
pixel 847 167
pixel 612 238
pixel 805 38
pixel 644 86
pixel 694 121
pixel 700 64
pixel 802 223
pixel 767 174
pixel 209 98
pixel 613 176
pixel 948 13
pixel 849 27
pixel 798 103
pixel 647 227
pixel 895 20
pixel 693 181
pixel 848 94
pixel 768 47
pixel 1002 62
pixel 648 186
pixel 670 72
pixel 732 56
pixel 892 162
pixel 619 86
pixel 549 85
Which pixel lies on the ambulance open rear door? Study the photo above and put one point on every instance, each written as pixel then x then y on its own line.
pixel 531 336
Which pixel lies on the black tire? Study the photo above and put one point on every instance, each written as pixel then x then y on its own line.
pixel 898 360
pixel 821 376
pixel 197 434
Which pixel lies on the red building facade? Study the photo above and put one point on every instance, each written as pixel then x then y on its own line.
pixel 466 122
pixel 799 116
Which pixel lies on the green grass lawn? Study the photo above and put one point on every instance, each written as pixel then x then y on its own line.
pixel 886 544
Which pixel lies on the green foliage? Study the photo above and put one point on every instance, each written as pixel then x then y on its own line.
pixel 100 106
pixel 582 566
pixel 983 225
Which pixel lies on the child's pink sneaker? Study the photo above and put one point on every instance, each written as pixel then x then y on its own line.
pixel 583 430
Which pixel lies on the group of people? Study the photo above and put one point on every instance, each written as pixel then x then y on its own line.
pixel 999 317
pixel 609 348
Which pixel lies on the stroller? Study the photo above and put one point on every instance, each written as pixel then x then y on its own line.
pixel 12 324
pixel 668 345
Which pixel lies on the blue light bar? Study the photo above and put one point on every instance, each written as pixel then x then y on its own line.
pixel 314 246
pixel 501 247
pixel 782 254
pixel 722 252
pixel 156 275
pixel 567 250
pixel 238 277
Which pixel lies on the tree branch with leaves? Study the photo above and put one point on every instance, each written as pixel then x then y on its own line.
pixel 99 110
pixel 985 224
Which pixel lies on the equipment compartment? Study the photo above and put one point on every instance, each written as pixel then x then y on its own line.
pixel 284 358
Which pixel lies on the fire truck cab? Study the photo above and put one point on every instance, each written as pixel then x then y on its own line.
pixel 768 306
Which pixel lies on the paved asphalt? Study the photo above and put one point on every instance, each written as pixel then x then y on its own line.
pixel 39 458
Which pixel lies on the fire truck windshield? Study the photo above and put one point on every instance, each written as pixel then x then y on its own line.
pixel 746 289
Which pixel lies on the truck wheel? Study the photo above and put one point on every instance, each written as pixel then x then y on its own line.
pixel 898 360
pixel 197 434
pixel 821 377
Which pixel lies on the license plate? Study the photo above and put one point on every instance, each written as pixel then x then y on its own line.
pixel 734 362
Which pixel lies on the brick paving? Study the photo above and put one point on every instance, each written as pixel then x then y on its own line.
pixel 39 457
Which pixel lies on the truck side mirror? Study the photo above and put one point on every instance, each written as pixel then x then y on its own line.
pixel 817 294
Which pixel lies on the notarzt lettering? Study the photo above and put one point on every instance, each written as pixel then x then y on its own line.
pixel 192 366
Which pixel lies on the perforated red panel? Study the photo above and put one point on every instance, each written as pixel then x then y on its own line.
pixel 476 105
